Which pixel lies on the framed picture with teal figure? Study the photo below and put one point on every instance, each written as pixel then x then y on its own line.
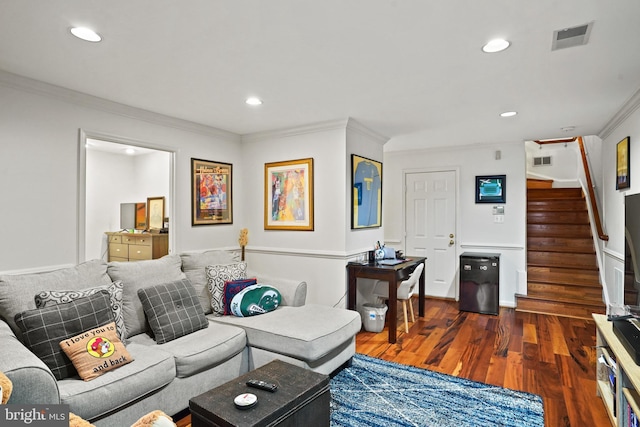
pixel 491 189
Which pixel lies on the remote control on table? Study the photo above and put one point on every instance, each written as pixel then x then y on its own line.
pixel 262 385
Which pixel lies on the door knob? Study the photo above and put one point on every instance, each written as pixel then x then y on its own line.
pixel 451 236
pixel 451 242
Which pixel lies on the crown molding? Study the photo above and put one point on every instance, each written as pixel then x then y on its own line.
pixel 295 131
pixel 342 124
pixel 38 87
pixel 363 130
pixel 448 148
pixel 623 114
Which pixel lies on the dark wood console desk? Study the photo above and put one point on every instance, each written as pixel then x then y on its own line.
pixel 393 274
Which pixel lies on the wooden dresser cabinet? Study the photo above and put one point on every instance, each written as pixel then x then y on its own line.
pixel 137 247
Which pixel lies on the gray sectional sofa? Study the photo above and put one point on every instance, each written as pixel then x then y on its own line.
pixel 165 376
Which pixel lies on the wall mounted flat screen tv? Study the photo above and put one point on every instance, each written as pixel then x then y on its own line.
pixel 631 247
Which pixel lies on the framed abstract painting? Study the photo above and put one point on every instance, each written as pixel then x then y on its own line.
pixel 623 165
pixel 288 195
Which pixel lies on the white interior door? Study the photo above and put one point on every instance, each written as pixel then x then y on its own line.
pixel 430 221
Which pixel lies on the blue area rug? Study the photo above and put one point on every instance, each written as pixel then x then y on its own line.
pixel 374 392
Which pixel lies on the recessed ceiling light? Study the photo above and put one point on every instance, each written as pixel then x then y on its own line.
pixel 495 45
pixel 253 101
pixel 86 34
pixel 508 114
pixel 130 151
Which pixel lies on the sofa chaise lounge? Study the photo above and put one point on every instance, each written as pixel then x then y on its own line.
pixel 164 376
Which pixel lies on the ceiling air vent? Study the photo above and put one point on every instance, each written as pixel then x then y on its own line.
pixel 570 37
pixel 542 161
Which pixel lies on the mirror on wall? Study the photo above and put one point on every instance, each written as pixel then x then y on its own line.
pixel 133 216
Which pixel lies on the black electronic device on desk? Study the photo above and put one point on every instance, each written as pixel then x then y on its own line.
pixel 628 330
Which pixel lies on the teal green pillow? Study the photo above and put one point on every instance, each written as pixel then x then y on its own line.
pixel 254 300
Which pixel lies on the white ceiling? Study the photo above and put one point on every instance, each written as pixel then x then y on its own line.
pixel 411 70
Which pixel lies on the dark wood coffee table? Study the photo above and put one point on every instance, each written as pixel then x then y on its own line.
pixel 302 399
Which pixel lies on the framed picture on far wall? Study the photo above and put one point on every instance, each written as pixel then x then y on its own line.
pixel 288 195
pixel 491 189
pixel 211 201
pixel 623 165
pixel 366 192
pixel 155 213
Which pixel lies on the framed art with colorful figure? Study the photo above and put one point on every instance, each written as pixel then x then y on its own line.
pixel 623 165
pixel 288 195
pixel 211 201
pixel 366 192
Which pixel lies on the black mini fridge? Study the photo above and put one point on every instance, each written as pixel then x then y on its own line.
pixel 480 282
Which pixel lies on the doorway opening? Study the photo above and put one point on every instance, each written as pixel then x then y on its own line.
pixel 113 172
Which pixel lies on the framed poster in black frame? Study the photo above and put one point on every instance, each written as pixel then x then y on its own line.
pixel 211 201
pixel 366 192
pixel 491 189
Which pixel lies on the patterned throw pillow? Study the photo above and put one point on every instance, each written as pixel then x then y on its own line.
pixel 44 328
pixel 232 288
pixel 173 310
pixel 115 289
pixel 254 300
pixel 96 351
pixel 217 275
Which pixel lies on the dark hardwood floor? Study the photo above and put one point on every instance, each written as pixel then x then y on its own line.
pixel 551 356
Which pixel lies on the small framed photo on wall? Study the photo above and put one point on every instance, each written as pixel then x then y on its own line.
pixel 623 165
pixel 491 189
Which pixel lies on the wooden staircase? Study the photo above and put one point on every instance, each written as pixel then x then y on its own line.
pixel 562 268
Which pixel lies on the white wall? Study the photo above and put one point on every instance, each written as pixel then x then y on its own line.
pixel 317 256
pixel 103 198
pixel 564 163
pixel 39 155
pixel 476 230
pixel 613 215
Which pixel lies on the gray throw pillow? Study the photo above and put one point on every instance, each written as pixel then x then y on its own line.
pixel 115 289
pixel 142 274
pixel 173 310
pixel 194 264
pixel 217 276
pixel 17 291
pixel 44 328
